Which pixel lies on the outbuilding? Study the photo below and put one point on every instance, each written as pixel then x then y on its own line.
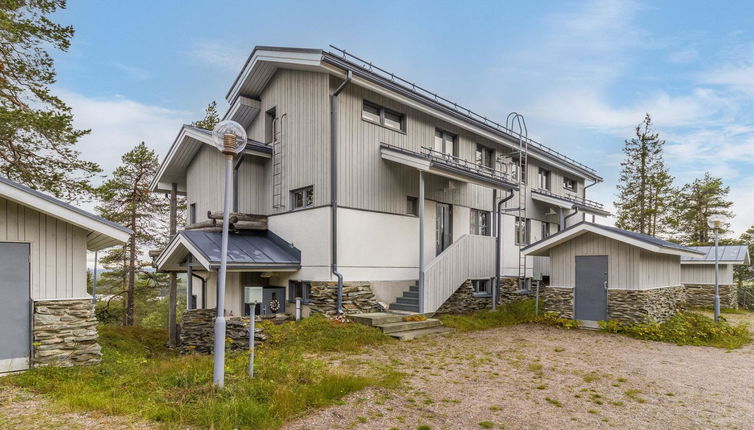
pixel 46 315
pixel 603 273
pixel 698 274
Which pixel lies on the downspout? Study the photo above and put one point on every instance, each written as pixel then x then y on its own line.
pixel 204 289
pixel 334 186
pixel 498 256
pixel 237 166
pixel 565 220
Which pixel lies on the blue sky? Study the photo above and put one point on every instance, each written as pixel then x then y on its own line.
pixel 582 73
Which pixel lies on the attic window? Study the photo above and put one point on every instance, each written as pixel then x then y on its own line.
pixel 382 116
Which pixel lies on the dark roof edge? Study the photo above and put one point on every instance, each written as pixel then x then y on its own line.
pixel 267 48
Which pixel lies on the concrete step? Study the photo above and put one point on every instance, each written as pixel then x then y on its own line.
pixel 408 325
pixel 374 319
pixel 414 334
pixel 408 300
pixel 411 294
pixel 404 307
pixel 414 288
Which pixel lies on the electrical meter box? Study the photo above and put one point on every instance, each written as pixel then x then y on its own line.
pixel 252 295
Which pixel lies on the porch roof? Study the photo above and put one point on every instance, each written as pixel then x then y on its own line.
pixel 569 202
pixel 448 166
pixel 727 254
pixel 249 250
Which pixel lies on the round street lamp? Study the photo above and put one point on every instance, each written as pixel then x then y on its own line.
pixel 715 222
pixel 230 138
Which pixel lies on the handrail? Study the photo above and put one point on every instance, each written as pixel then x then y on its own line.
pixel 416 89
pixel 576 199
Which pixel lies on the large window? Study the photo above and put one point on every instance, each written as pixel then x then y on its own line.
pixel 569 184
pixel 385 117
pixel 299 289
pixel 523 230
pixel 482 287
pixel 543 179
pixel 480 222
pixel 445 142
pixel 302 198
pixel 484 156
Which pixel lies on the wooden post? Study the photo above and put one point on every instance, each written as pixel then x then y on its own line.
pixel 173 294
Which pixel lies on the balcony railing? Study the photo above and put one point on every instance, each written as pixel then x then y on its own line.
pixel 454 162
pixel 571 198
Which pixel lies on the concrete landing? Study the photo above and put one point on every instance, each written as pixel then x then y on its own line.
pixel 394 324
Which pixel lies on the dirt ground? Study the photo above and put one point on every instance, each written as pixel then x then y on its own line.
pixel 532 376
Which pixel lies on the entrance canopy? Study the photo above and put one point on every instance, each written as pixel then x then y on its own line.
pixel 247 251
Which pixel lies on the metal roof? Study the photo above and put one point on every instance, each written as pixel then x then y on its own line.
pixel 726 254
pixel 262 249
pixel 645 238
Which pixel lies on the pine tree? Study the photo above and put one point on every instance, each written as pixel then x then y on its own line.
pixel 693 205
pixel 126 199
pixel 211 117
pixel 645 185
pixel 37 137
pixel 744 273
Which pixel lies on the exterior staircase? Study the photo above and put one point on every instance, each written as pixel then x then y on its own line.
pixel 393 324
pixel 409 302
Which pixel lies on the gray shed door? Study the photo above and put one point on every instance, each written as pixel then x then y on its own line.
pixel 15 306
pixel 591 283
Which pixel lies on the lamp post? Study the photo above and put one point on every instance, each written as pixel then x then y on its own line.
pixel 715 222
pixel 230 138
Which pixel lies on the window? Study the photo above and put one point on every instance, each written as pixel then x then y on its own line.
pixel 445 142
pixel 569 184
pixel 270 124
pixel 480 222
pixel 543 179
pixel 383 116
pixel 545 230
pixel 302 198
pixel 192 213
pixel 484 156
pixel 412 205
pixel 523 229
pixel 482 287
pixel 299 289
pixel 519 168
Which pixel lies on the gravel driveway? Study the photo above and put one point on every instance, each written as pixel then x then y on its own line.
pixel 532 376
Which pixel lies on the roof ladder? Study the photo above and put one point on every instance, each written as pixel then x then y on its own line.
pixel 277 163
pixel 517 124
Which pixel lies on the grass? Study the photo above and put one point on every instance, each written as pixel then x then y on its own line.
pixel 139 376
pixel 505 315
pixel 687 328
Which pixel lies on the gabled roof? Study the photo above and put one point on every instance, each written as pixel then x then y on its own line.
pixel 249 250
pixel 264 61
pixel 649 243
pixel 189 141
pixel 727 254
pixel 102 233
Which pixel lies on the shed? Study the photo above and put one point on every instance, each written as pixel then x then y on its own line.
pixel 698 274
pixel 600 272
pixel 43 245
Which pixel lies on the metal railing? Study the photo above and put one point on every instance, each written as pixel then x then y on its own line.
pixel 418 90
pixel 571 198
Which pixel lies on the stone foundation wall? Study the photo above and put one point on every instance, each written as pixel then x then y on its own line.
pixel 558 300
pixel 65 333
pixel 637 306
pixel 357 298
pixel 702 296
pixel 198 332
pixel 463 299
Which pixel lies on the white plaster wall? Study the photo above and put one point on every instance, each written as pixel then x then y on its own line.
pixel 461 221
pixel 309 231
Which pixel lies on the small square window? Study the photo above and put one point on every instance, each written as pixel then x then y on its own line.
pixel 483 156
pixel 302 198
pixel 299 289
pixel 393 120
pixel 482 287
pixel 412 205
pixel 543 178
pixel 569 184
pixel 371 112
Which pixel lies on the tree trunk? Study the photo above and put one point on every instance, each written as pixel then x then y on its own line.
pixel 173 294
pixel 131 274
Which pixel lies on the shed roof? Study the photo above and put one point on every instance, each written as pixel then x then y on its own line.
pixel 643 241
pixel 250 250
pixel 102 233
pixel 727 254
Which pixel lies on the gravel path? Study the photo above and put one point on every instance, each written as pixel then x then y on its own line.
pixel 542 377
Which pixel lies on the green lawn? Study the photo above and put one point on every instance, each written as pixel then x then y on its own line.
pixel 139 376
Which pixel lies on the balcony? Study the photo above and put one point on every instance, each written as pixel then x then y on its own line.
pixel 448 166
pixel 568 201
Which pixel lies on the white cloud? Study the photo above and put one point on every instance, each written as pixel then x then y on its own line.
pixel 219 55
pixel 118 124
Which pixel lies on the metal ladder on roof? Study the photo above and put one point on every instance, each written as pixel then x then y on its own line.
pixel 516 123
pixel 277 163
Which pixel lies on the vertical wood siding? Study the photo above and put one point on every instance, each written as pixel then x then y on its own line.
pixel 705 274
pixel 58 250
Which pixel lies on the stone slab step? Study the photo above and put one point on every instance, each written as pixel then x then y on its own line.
pixel 399 326
pixel 404 307
pixel 376 318
pixel 414 334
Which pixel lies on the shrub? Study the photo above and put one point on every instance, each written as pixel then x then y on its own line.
pixel 686 328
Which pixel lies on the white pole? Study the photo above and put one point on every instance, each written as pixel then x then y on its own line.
pixel 94 280
pixel 421 241
pixel 717 284
pixel 298 308
pixel 219 361
pixel 252 317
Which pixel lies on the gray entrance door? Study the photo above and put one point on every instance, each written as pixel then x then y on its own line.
pixel 591 288
pixel 15 306
pixel 444 227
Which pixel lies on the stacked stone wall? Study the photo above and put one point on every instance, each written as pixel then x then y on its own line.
pixel 703 295
pixel 65 333
pixel 636 306
pixel 357 298
pixel 464 300
pixel 558 300
pixel 198 332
